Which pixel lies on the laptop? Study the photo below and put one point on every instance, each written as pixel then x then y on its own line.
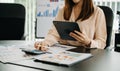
pixel 64 28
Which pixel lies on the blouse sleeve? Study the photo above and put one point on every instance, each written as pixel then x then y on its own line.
pixel 100 36
pixel 52 35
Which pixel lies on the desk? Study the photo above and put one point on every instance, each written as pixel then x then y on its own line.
pixel 102 60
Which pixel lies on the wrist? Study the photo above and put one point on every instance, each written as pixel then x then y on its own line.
pixel 88 44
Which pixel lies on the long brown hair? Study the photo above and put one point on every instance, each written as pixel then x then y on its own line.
pixel 86 11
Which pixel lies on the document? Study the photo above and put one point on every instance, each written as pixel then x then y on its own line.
pixel 57 54
pixel 14 53
pixel 59 48
pixel 9 54
pixel 65 58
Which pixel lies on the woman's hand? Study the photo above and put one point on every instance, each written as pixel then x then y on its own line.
pixel 41 45
pixel 80 37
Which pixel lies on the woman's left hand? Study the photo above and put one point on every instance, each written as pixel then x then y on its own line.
pixel 80 37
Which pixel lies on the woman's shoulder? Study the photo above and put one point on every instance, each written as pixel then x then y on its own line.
pixel 61 9
pixel 59 15
pixel 97 9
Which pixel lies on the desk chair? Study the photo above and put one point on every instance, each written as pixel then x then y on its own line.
pixel 12 21
pixel 109 23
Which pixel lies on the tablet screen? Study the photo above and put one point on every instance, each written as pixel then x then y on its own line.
pixel 64 28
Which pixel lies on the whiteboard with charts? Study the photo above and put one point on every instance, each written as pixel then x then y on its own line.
pixel 45 14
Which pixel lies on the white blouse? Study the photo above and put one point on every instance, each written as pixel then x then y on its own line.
pixel 94 27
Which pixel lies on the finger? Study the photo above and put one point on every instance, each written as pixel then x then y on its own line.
pixel 78 39
pixel 39 46
pixel 44 48
pixel 36 44
pixel 79 33
pixel 76 36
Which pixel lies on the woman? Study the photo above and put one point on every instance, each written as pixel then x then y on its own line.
pixel 90 19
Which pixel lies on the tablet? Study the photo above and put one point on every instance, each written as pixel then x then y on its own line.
pixel 64 28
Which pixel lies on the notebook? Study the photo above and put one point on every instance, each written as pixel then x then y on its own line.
pixel 64 28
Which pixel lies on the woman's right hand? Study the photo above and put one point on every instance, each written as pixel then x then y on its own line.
pixel 41 45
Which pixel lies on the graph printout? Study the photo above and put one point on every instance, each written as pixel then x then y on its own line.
pixel 46 12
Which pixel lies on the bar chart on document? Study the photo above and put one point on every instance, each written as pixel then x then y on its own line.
pixel 46 12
